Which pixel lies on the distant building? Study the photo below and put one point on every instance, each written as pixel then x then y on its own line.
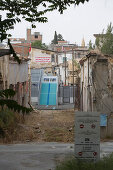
pixel 64 70
pixel 29 38
pixel 22 45
pixel 64 46
pixel 17 40
pixel 65 52
pixel 43 58
pixel 62 42
pixel 73 72
pixel 33 37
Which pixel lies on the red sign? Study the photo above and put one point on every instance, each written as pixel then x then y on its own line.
pixel 93 126
pixel 80 153
pixel 43 59
pixel 81 126
pixel 94 153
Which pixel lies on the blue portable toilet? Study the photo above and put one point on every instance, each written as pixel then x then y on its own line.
pixel 49 90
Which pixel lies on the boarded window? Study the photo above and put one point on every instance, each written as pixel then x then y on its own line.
pixel 36 36
pixel 64 59
pixel 52 58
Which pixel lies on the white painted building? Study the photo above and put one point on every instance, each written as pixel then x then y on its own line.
pixel 42 58
pixel 63 67
pixel 69 56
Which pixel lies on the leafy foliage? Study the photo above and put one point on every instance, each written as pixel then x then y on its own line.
pixel 77 65
pixel 38 44
pixel 5 100
pixel 57 38
pixel 7 111
pixel 60 37
pixel 97 42
pixel 7 122
pixel 13 105
pixel 7 93
pixel 29 10
pixel 90 45
pixel 104 41
pixel 107 45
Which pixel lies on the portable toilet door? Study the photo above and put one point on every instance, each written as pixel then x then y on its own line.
pixel 49 90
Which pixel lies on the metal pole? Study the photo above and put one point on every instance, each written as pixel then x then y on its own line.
pixel 73 72
pixel 65 68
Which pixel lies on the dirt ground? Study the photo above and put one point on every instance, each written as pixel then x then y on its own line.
pixel 43 126
pixel 46 125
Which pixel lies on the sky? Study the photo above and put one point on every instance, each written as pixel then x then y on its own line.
pixel 74 24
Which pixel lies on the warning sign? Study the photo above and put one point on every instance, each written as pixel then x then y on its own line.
pixel 81 126
pixel 87 135
pixel 40 59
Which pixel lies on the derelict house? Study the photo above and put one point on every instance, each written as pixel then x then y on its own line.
pixel 14 76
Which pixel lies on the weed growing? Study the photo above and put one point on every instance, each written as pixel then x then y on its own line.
pixel 105 163
pixel 8 122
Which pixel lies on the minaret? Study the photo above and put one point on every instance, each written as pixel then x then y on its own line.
pixel 83 42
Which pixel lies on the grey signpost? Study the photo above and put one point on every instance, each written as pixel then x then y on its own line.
pixel 87 136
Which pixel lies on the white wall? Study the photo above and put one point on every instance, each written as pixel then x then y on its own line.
pixel 43 55
pixel 62 68
pixel 86 88
pixel 18 72
pixel 62 55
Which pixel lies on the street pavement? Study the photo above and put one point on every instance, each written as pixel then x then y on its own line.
pixel 40 156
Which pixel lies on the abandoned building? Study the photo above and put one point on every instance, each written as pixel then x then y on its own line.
pixel 97 85
pixel 14 76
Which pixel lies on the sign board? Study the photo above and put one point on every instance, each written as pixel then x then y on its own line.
pixel 103 120
pixel 40 59
pixel 87 135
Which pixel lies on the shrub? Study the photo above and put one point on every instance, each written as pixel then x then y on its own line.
pixel 105 163
pixel 7 121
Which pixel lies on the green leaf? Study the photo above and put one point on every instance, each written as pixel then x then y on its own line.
pixel 27 9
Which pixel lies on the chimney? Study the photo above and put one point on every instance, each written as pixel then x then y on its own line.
pixel 28 35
